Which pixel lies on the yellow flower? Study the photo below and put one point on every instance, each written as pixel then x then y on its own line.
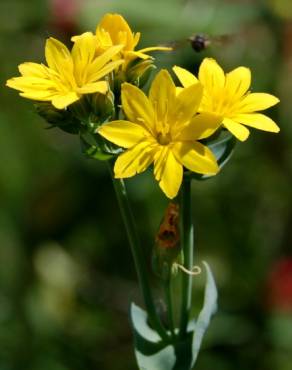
pixel 228 95
pixel 114 30
pixel 162 129
pixel 68 75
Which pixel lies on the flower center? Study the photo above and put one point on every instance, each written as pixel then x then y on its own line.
pixel 164 138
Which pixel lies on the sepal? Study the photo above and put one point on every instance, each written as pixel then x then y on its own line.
pixel 95 147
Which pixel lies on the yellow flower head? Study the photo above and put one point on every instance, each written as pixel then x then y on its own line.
pixel 114 30
pixel 163 129
pixel 228 95
pixel 68 75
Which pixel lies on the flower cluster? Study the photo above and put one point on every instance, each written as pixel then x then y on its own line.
pixel 164 128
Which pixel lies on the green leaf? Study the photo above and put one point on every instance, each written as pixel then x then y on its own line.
pixel 154 353
pixel 151 352
pixel 223 148
pixel 208 310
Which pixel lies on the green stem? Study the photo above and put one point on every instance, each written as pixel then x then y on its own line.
pixel 138 256
pixel 187 238
pixel 168 299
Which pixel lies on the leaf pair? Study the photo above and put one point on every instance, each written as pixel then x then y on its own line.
pixel 154 353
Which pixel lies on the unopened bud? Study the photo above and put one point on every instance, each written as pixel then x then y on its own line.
pixel 81 109
pixel 139 71
pixel 102 107
pixel 64 119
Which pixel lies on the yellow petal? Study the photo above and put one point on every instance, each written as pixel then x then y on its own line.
pixel 103 38
pixel 30 69
pixel 211 75
pixel 162 94
pixel 155 48
pixel 237 82
pixel 84 48
pixel 100 87
pixel 98 67
pixel 135 160
pixel 196 157
pixel 123 133
pixel 200 127
pixel 238 130
pixel 39 95
pixel 130 55
pixel 136 39
pixel 104 71
pixel 62 101
pixel 256 102
pixel 159 160
pixel 185 77
pixel 257 120
pixel 186 104
pixel 170 172
pixel 114 22
pixel 83 53
pixel 116 25
pixel 75 38
pixel 58 57
pixel 137 106
pixel 31 84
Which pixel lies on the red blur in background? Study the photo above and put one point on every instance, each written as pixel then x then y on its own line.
pixel 280 285
pixel 64 15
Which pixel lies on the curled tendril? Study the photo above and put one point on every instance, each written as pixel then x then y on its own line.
pixel 196 270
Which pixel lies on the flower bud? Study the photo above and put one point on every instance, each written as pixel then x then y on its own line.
pixel 102 107
pixel 81 109
pixel 64 119
pixel 139 71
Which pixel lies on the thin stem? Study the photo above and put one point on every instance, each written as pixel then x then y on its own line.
pixel 168 298
pixel 187 237
pixel 138 256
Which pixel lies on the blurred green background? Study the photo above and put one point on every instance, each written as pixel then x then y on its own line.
pixel 66 273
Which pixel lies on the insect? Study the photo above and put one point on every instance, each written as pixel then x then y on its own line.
pixel 200 42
